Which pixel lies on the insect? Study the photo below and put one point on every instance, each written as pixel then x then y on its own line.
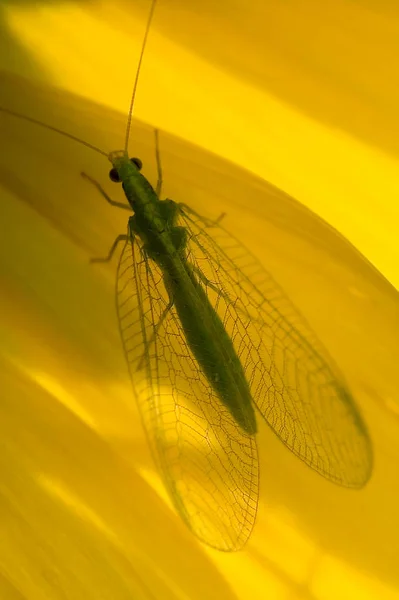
pixel 211 341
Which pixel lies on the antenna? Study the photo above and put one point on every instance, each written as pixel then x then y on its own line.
pixel 51 128
pixel 130 113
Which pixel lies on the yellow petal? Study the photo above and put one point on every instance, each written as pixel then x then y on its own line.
pixel 84 512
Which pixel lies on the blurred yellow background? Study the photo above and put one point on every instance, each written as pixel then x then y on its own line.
pixel 299 94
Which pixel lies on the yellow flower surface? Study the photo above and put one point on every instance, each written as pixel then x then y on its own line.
pixel 302 95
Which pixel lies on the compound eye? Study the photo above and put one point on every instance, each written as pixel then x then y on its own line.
pixel 137 162
pixel 113 175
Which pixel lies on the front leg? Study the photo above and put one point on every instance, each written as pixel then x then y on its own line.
pixel 104 193
pixel 120 238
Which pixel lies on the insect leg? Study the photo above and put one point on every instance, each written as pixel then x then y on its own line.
pixel 157 327
pixel 105 195
pixel 225 296
pixel 187 210
pixel 220 218
pixel 209 283
pixel 159 166
pixel 120 238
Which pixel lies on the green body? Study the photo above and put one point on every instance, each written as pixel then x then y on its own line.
pixel 154 222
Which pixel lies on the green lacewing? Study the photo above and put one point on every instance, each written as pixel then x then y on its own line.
pixel 211 341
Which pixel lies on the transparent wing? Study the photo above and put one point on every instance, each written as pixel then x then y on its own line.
pixel 294 383
pixel 209 465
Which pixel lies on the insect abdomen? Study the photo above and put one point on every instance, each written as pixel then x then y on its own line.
pixel 212 346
